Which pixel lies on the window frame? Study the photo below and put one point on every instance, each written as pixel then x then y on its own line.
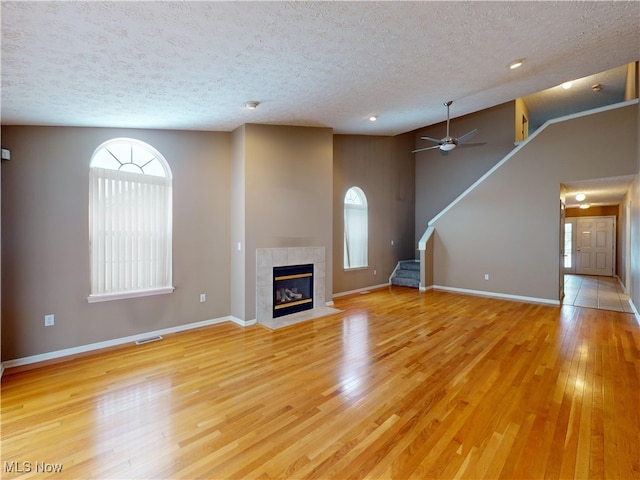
pixel 167 220
pixel 362 206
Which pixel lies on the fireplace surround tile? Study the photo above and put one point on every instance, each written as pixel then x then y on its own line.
pixel 267 258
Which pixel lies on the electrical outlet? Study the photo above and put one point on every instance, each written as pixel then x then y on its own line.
pixel 49 320
pixel 203 297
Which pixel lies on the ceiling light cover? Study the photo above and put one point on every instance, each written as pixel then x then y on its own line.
pixel 373 118
pixel 516 64
pixel 252 104
pixel 580 197
pixel 447 146
pixel 567 85
pixel 584 206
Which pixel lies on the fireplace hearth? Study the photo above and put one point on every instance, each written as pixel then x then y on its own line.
pixel 292 289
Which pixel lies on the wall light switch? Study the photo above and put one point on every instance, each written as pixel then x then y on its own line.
pixel 203 297
pixel 486 276
pixel 49 320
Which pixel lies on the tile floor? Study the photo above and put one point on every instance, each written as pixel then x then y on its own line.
pixel 604 293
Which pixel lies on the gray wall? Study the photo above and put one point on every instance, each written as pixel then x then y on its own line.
pixel 238 219
pixel 45 251
pixel 633 288
pixel 384 168
pixel 440 179
pixel 508 226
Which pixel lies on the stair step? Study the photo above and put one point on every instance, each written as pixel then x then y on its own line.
pixel 409 265
pixel 405 282
pixel 408 274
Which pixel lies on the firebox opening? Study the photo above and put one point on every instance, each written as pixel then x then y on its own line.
pixel 292 289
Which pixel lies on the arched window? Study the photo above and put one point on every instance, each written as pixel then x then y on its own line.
pixel 356 228
pixel 130 221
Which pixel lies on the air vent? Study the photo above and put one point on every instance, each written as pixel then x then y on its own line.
pixel 148 340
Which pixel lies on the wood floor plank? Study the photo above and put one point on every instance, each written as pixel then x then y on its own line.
pixel 401 384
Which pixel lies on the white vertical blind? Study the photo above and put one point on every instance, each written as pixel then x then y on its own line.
pixel 130 231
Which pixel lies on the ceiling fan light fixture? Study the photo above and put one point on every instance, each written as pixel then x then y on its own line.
pixel 447 146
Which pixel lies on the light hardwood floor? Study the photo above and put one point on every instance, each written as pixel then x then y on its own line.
pixel 400 385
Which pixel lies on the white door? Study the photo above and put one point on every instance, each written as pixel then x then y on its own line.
pixel 595 243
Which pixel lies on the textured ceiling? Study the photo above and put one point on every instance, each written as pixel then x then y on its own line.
pixel 192 65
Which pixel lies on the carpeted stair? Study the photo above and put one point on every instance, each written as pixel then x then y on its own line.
pixel 407 274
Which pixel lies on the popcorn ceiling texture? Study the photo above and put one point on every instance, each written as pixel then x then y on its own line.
pixel 192 65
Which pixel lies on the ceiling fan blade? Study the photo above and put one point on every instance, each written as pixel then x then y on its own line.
pixel 468 136
pixel 477 144
pixel 431 139
pixel 426 148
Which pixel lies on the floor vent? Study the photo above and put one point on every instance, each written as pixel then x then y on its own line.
pixel 148 340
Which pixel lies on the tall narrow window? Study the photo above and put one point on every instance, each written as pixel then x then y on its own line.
pixel 356 228
pixel 130 221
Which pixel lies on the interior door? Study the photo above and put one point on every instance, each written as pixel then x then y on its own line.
pixel 595 246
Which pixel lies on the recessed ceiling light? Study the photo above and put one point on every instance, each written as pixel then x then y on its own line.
pixel 580 197
pixel 567 85
pixel 373 118
pixel 252 105
pixel 516 64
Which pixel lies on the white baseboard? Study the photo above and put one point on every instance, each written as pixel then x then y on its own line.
pixel 635 311
pixel 243 323
pixel 360 290
pixel 108 343
pixel 422 288
pixel 505 296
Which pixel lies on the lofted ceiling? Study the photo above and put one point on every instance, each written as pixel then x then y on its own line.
pixel 193 65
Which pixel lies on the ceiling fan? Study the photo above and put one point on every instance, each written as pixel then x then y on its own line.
pixel 448 143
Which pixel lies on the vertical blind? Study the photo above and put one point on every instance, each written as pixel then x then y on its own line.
pixel 356 229
pixel 130 231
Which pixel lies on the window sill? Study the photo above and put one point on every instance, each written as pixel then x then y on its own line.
pixel 133 294
pixel 353 269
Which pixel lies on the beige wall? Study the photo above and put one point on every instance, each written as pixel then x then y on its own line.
pixel 440 179
pixel 634 285
pixel 45 255
pixel 288 177
pixel 238 219
pixel 508 226
pixel 383 167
